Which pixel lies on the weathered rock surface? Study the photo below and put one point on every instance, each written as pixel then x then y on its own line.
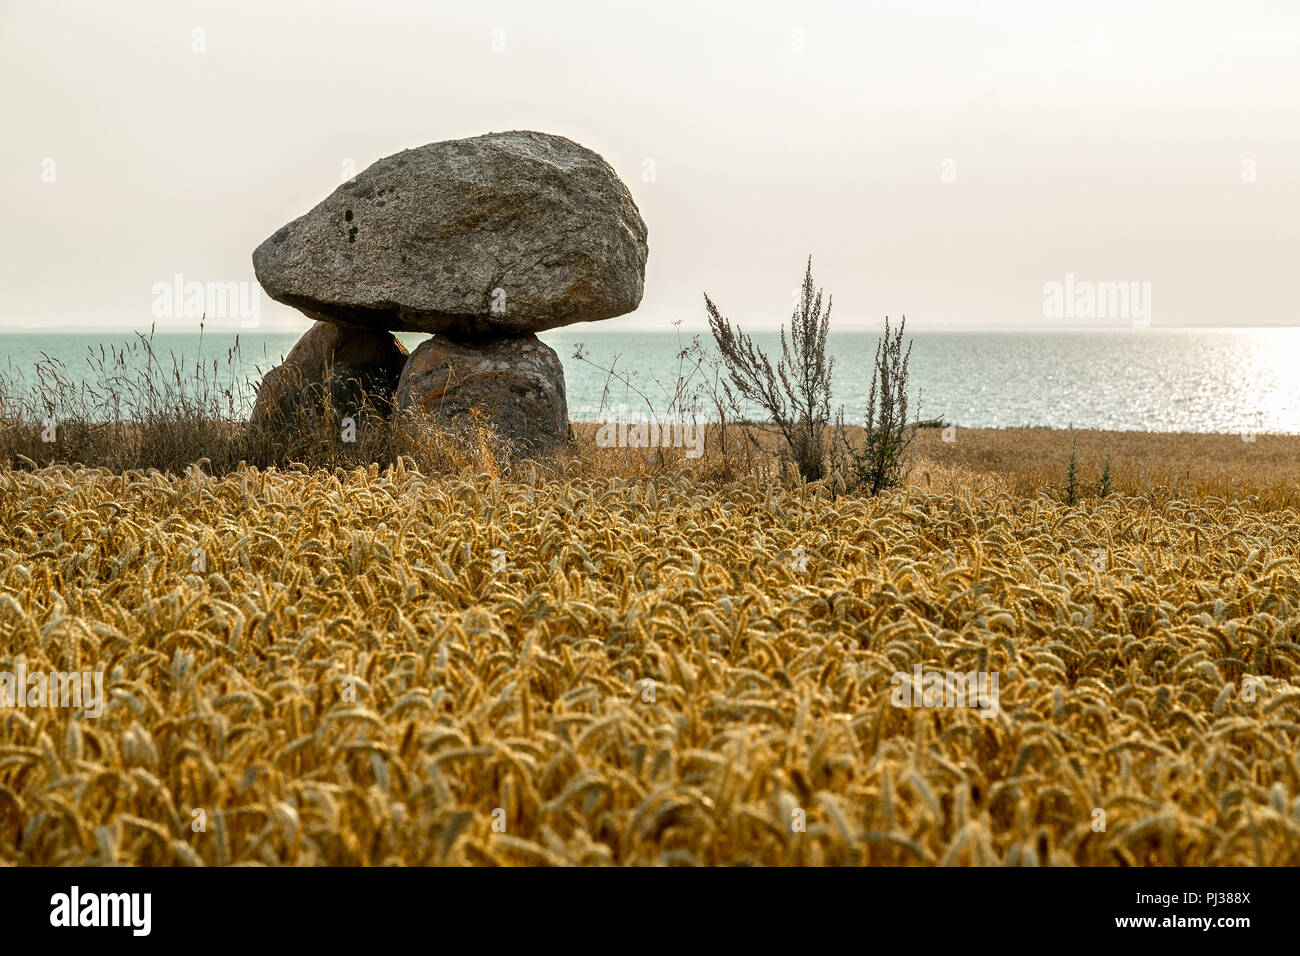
pixel 358 359
pixel 503 234
pixel 517 383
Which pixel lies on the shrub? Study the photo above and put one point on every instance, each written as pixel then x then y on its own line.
pixel 884 459
pixel 1070 489
pixel 796 394
pixel 1103 483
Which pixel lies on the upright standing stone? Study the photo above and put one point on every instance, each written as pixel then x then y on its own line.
pixel 516 383
pixel 358 360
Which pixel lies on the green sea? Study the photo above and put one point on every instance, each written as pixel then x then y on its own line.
pixel 1214 380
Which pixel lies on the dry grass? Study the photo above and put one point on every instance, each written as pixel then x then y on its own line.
pixel 1264 473
pixel 658 674
pixel 135 409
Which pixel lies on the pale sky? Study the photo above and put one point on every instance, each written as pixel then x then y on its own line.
pixel 943 160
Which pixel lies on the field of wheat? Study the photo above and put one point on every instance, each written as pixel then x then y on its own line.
pixel 375 667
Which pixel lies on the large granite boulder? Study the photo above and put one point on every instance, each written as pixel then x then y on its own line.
pixel 498 235
pixel 348 361
pixel 516 383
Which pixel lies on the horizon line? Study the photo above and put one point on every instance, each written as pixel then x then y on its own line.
pixel 666 327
